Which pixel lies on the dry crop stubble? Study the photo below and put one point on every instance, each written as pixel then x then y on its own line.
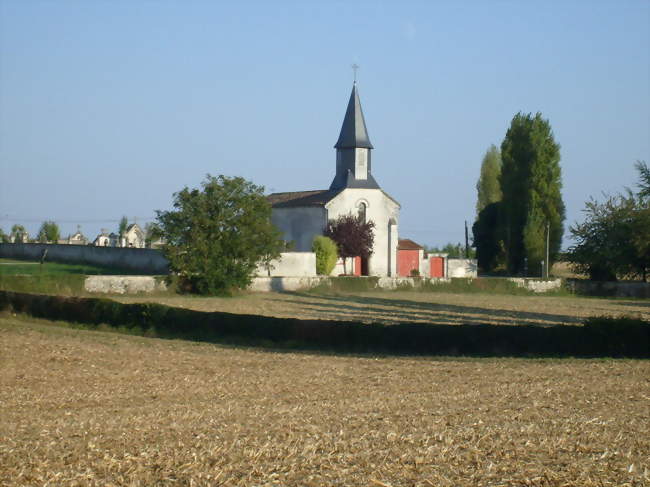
pixel 422 307
pixel 94 408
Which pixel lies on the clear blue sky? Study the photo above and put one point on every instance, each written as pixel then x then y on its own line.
pixel 109 107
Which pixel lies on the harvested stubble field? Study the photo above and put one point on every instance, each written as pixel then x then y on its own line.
pixel 97 408
pixel 410 306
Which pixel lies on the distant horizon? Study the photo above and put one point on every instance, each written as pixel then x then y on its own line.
pixel 107 109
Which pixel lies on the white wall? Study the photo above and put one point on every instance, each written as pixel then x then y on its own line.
pixel 380 209
pixel 340 269
pixel 462 268
pixel 425 264
pixel 293 264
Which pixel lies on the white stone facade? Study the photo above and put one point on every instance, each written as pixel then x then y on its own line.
pixel 383 211
pixel 133 237
pixel 294 264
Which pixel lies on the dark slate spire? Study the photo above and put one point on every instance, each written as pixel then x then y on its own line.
pixel 353 132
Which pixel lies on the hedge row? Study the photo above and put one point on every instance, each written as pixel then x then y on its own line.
pixel 599 337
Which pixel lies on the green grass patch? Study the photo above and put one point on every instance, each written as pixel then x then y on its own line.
pixel 10 267
pixel 63 284
pixel 50 277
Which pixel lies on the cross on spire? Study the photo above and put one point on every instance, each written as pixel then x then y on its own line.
pixel 355 67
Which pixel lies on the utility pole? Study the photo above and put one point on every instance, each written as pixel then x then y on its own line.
pixel 466 242
pixel 548 233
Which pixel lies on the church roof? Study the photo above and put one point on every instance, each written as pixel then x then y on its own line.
pixel 353 131
pixel 301 198
pixel 408 244
pixel 347 180
pixel 318 197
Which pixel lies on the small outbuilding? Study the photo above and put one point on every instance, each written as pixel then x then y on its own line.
pixel 409 258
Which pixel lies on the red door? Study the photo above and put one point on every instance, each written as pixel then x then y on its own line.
pixel 437 267
pixel 407 261
pixel 357 266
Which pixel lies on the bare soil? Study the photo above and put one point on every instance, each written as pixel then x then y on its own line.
pixel 97 408
pixel 409 306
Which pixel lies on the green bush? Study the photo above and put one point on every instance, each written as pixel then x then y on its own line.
pixel 216 236
pixel 326 255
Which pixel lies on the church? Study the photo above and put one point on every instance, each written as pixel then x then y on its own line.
pixel 303 215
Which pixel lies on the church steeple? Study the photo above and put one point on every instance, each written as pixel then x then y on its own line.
pixel 353 149
pixel 353 131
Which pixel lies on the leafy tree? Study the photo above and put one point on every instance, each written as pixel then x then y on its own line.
pixel 614 239
pixel 453 251
pixel 19 234
pixel 4 238
pixel 488 185
pixel 49 232
pixel 531 183
pixel 216 235
pixel 644 183
pixel 602 245
pixel 124 223
pixel 641 241
pixel 151 234
pixel 326 255
pixel 488 238
pixel 353 237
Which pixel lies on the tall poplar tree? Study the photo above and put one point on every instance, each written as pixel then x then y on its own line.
pixel 531 182
pixel 488 186
pixel 486 230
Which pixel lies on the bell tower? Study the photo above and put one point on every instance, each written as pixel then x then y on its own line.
pixel 353 157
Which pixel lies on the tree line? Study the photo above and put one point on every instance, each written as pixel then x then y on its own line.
pixel 49 232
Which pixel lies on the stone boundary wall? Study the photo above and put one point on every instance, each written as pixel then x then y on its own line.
pixel 148 261
pixel 279 284
pixel 537 285
pixel 124 284
pixel 148 284
pixel 403 282
pixel 266 284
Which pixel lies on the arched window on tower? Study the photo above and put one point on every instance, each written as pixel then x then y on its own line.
pixel 362 212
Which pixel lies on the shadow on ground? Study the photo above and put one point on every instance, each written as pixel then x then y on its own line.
pixel 382 310
pixel 603 338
